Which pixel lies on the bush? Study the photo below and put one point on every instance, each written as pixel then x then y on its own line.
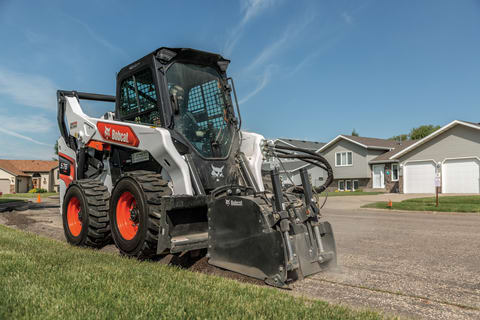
pixel 37 190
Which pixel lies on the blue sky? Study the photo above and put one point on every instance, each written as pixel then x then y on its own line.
pixel 303 69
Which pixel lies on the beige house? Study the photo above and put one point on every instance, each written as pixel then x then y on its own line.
pixel 447 159
pixel 19 176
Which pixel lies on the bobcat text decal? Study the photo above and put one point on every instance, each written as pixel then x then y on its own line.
pixel 117 133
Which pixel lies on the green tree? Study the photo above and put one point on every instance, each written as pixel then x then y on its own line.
pixel 354 133
pixel 400 137
pixel 422 131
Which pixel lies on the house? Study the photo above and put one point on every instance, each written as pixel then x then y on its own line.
pixel 19 176
pixel 350 158
pixel 448 158
pixel 386 171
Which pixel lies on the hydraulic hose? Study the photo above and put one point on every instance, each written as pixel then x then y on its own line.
pixel 309 157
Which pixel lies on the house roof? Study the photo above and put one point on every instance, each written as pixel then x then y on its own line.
pixel 310 145
pixel 369 143
pixel 385 157
pixel 289 166
pixel 10 168
pixel 21 167
pixel 433 135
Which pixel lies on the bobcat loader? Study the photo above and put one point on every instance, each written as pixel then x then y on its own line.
pixel 171 172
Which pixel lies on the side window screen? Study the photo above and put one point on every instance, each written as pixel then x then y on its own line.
pixel 138 100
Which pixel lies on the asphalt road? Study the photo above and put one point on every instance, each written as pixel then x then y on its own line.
pixel 417 265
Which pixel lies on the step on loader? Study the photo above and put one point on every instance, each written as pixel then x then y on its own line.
pixel 171 172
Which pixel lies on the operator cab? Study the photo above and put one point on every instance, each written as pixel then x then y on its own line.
pixel 184 90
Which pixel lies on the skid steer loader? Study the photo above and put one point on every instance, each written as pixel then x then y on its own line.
pixel 171 172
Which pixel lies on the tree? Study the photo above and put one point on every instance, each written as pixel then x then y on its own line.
pixel 354 133
pixel 400 137
pixel 422 131
pixel 55 147
pixel 416 133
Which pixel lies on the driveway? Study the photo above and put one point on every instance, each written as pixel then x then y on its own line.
pixel 418 265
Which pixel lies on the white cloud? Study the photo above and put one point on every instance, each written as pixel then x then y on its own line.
pixel 28 89
pixel 27 124
pixel 97 37
pixel 347 17
pixel 276 47
pixel 262 83
pixel 250 9
pixel 21 136
pixel 261 62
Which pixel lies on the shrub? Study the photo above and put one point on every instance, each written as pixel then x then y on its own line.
pixel 37 190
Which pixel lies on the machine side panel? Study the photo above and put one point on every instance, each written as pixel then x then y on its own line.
pixel 67 167
pixel 251 148
pixel 157 141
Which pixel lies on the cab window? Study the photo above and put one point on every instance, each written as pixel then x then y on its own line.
pixel 138 99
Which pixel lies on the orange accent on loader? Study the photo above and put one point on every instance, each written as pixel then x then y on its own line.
pixel 71 177
pixel 97 145
pixel 73 210
pixel 127 225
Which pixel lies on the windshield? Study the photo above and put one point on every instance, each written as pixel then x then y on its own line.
pixel 202 110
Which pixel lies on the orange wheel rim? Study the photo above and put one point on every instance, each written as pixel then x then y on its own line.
pixel 73 216
pixel 127 215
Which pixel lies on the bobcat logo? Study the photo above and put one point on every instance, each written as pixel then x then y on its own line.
pixel 217 172
pixel 107 132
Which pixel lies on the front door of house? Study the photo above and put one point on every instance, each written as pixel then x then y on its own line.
pixel 35 183
pixel 378 177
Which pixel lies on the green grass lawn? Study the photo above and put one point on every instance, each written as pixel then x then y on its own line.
pixel 28 195
pixel 42 278
pixel 446 204
pixel 2 200
pixel 354 193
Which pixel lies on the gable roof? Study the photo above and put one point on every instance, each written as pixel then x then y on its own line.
pixel 10 168
pixel 305 144
pixel 385 157
pixel 433 135
pixel 368 143
pixel 289 166
pixel 21 167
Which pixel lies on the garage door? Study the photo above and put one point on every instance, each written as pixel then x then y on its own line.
pixel 461 176
pixel 5 186
pixel 419 177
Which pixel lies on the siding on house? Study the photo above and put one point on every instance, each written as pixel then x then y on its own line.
pixel 317 176
pixel 360 157
pixel 55 180
pixel 458 142
pixel 5 175
pixel 22 184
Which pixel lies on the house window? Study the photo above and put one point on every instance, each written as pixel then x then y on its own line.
pixel 341 185
pixel 394 172
pixel 343 159
pixel 355 185
pixel 348 184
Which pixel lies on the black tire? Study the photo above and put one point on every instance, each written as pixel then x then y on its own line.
pixel 147 189
pixel 93 202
